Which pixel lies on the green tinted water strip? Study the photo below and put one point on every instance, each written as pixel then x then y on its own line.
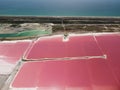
pixel 28 33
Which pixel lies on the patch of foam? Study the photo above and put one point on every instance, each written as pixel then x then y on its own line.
pixel 5 67
pixel 16 41
pixel 107 33
pixel 50 37
pixel 23 89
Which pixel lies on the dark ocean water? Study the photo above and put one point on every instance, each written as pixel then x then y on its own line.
pixel 60 7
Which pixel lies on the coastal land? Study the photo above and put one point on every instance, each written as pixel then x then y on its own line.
pixel 58 24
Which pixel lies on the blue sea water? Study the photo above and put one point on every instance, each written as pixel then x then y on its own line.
pixel 60 7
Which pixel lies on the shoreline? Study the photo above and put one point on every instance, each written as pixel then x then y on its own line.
pixel 59 16
pixel 60 19
pixel 40 16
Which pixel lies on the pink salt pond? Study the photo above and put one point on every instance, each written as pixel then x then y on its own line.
pixel 79 62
